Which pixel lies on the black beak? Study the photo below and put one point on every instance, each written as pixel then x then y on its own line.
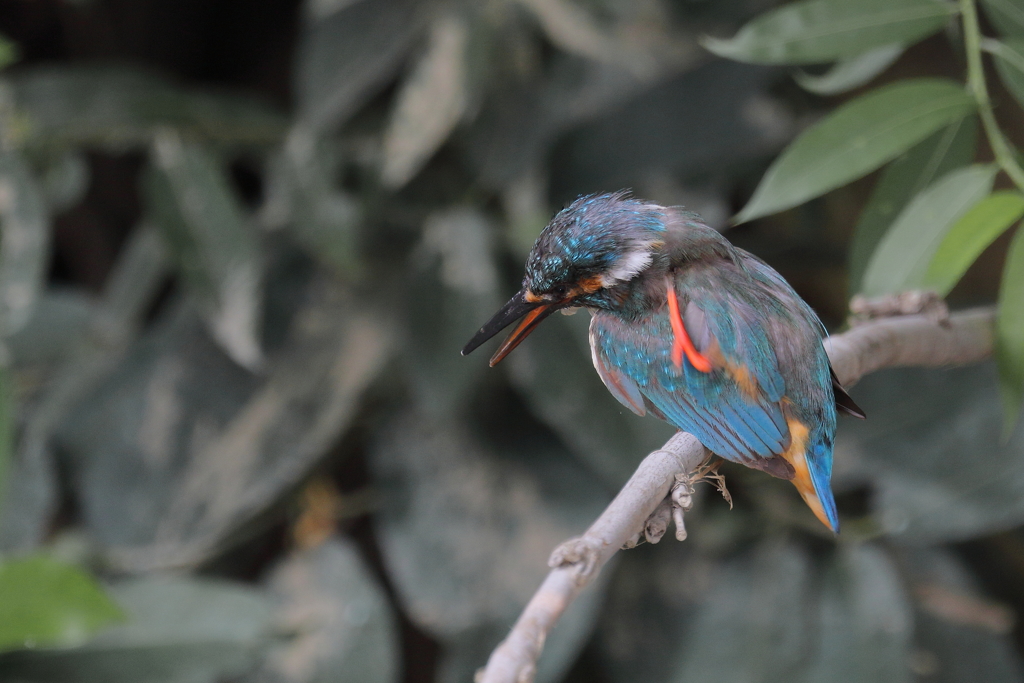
pixel 517 307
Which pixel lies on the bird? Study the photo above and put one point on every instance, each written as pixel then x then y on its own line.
pixel 691 329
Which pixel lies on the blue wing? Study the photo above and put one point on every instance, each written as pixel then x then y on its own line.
pixel 769 392
pixel 735 410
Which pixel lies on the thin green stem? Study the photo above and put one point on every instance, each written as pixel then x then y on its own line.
pixel 976 82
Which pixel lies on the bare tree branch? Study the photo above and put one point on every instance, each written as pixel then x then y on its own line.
pixel 914 340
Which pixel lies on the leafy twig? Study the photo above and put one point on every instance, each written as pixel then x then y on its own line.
pixel 979 89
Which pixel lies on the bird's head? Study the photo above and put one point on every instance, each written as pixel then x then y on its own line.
pixel 590 249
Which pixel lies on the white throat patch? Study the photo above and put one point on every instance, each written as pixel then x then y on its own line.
pixel 629 265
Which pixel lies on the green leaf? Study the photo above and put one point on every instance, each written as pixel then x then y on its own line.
pixel 45 602
pixel 65 180
pixel 191 200
pixel 865 622
pixel 452 289
pixel 1010 333
pixel 8 51
pixel 1007 15
pixel 431 102
pixel 142 265
pixel 755 623
pixel 969 236
pixel 59 322
pixel 179 630
pixel 303 196
pixel 269 431
pixel 331 644
pixel 902 257
pixel 901 181
pixel 851 72
pixel 347 56
pixel 467 500
pixel 118 108
pixel 1009 60
pixel 855 139
pixel 816 31
pixel 577 31
pixel 24 242
pixel 913 452
pixel 963 651
pixel 6 434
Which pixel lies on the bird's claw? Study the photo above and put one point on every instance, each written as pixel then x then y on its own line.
pixel 581 551
pixel 708 472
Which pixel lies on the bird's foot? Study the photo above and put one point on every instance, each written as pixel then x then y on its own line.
pixel 685 486
pixel 679 501
pixel 583 552
pixel 914 302
pixel 708 472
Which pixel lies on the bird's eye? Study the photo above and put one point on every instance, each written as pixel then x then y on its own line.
pixel 560 292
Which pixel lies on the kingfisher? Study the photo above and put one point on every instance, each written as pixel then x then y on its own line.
pixel 693 330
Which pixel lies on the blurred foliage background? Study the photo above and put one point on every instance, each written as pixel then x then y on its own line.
pixel 242 244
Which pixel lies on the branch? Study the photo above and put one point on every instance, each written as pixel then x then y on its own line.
pixel 915 340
